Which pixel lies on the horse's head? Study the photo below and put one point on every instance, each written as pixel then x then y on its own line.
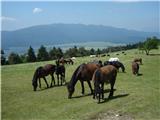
pixel 70 90
pixel 34 83
pixel 106 63
pixel 35 77
pixel 100 63
pixel 140 61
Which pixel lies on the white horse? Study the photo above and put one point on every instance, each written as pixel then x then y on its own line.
pixel 92 56
pixel 113 59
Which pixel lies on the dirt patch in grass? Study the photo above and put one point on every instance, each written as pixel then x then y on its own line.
pixel 112 115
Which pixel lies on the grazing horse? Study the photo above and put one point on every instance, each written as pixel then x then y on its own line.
pixel 106 74
pixel 97 62
pixel 138 60
pixel 116 64
pixel 41 72
pixel 135 68
pixel 69 61
pixel 60 72
pixel 113 59
pixel 83 73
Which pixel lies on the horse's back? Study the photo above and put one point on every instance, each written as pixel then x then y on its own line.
pixel 109 69
pixel 107 73
pixel 87 70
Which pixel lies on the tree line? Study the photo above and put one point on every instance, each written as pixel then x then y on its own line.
pixel 56 53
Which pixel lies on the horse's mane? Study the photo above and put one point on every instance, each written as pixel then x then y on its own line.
pixel 76 73
pixel 34 80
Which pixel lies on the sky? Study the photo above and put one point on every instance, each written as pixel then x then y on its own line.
pixel 135 15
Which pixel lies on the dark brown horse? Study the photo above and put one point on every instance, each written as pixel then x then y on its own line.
pixel 116 64
pixel 135 68
pixel 106 74
pixel 138 60
pixel 83 73
pixel 41 72
pixel 60 72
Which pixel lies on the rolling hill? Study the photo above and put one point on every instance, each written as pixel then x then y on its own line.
pixel 70 33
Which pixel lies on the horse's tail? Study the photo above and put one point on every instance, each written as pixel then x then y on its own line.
pixel 97 79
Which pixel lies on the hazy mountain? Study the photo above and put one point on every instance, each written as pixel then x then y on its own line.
pixel 68 33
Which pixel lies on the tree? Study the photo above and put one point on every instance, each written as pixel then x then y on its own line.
pixel 72 52
pixel 53 53
pixel 3 59
pixel 59 53
pixel 31 57
pixel 82 52
pixel 150 43
pixel 14 58
pixel 42 54
pixel 98 52
pixel 92 51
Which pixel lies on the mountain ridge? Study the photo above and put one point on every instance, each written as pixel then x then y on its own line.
pixel 60 33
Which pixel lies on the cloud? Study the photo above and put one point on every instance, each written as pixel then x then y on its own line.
pixel 37 10
pixel 4 18
pixel 128 0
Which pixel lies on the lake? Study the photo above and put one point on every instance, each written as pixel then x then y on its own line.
pixel 64 47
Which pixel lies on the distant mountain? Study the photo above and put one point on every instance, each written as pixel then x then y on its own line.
pixel 70 33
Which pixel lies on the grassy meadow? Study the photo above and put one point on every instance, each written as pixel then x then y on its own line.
pixel 136 96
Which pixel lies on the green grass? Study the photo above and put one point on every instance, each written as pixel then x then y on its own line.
pixel 20 102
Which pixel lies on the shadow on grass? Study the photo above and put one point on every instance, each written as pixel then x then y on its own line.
pixel 113 97
pixel 45 88
pixel 140 74
pixel 105 91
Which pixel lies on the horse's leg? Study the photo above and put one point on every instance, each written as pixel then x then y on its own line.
pixel 52 76
pixel 90 86
pixel 61 77
pixel 64 78
pixel 112 87
pixel 102 90
pixel 46 82
pixel 82 84
pixel 58 79
pixel 53 79
pixel 39 83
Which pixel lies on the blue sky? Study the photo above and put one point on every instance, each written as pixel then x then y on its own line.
pixel 142 16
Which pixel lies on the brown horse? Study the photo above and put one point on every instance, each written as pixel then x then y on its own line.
pixel 41 72
pixel 135 68
pixel 62 61
pixel 138 60
pixel 106 74
pixel 83 73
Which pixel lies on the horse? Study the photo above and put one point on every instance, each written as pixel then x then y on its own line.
pixel 135 68
pixel 82 73
pixel 117 64
pixel 41 72
pixel 138 60
pixel 106 74
pixel 113 59
pixel 69 61
pixel 99 62
pixel 60 72
pixel 61 61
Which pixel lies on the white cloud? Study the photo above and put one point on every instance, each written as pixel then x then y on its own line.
pixel 128 0
pixel 4 18
pixel 37 10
